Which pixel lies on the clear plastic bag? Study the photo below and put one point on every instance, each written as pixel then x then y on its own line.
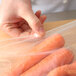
pixel 12 49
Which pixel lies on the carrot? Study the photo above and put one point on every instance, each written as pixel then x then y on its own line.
pixel 66 70
pixel 51 43
pixel 59 57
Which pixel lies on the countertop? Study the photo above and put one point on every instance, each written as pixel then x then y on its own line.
pixel 50 25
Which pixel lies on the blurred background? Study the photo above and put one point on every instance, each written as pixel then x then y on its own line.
pixel 56 9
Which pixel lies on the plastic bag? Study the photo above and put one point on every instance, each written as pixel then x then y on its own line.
pixel 12 49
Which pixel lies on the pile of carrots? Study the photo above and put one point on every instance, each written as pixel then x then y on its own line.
pixel 53 60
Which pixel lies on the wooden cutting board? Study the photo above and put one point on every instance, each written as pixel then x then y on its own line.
pixel 9 54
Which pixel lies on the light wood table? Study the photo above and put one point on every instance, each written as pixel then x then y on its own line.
pixel 51 25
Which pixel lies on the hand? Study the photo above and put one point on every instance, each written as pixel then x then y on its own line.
pixel 17 19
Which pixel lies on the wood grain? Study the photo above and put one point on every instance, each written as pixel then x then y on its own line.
pixel 51 25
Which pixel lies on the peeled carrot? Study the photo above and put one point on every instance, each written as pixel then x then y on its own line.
pixel 58 58
pixel 51 43
pixel 66 70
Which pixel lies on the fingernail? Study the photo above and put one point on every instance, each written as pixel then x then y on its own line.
pixel 40 32
pixel 41 29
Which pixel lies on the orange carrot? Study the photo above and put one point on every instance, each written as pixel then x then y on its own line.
pixel 51 43
pixel 66 70
pixel 59 57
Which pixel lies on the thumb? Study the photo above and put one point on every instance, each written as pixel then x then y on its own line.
pixel 33 22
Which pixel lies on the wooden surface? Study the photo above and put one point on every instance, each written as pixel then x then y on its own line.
pixel 51 25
